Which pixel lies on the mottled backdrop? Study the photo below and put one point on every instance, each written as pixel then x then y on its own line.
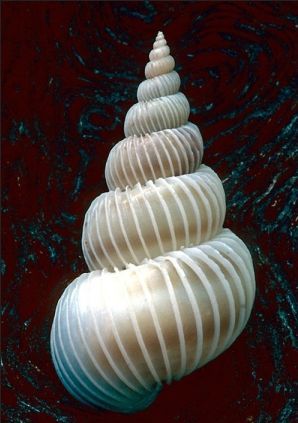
pixel 70 73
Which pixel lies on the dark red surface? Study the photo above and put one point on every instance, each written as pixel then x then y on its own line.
pixel 70 71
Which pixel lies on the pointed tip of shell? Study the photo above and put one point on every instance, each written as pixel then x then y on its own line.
pixel 159 40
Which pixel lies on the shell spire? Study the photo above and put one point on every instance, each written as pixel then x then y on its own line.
pixel 159 141
pixel 161 61
pixel 168 289
pixel 161 105
pixel 160 68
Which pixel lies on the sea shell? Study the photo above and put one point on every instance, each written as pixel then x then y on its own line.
pixel 169 288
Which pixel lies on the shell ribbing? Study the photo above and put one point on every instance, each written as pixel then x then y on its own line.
pixel 171 152
pixel 172 289
pixel 160 86
pixel 154 115
pixel 146 221
pixel 158 311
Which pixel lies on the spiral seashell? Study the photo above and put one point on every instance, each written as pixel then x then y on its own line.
pixel 169 289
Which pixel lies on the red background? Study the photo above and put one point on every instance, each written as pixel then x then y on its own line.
pixel 70 71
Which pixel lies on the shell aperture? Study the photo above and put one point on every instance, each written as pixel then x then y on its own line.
pixel 169 289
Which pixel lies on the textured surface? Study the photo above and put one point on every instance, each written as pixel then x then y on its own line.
pixel 70 73
pixel 116 337
pixel 149 220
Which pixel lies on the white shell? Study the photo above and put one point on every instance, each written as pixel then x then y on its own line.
pixel 160 154
pixel 157 114
pixel 150 220
pixel 117 336
pixel 160 86
pixel 173 289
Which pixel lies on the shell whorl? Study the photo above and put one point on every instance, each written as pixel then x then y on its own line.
pixel 126 332
pixel 150 220
pixel 161 80
pixel 161 61
pixel 161 105
pixel 160 142
pixel 164 153
pixel 157 114
pixel 169 289
pixel 159 86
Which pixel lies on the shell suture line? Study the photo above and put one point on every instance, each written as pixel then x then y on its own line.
pixel 187 286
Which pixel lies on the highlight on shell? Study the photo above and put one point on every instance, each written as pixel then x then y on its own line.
pixel 169 288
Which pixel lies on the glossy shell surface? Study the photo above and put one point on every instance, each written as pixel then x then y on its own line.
pixel 169 289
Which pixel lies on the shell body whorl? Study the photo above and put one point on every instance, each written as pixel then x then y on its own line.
pixel 150 323
pixel 169 289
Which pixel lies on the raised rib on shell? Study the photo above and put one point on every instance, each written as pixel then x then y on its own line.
pixel 173 289
pixel 117 336
pixel 149 220
pixel 164 153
